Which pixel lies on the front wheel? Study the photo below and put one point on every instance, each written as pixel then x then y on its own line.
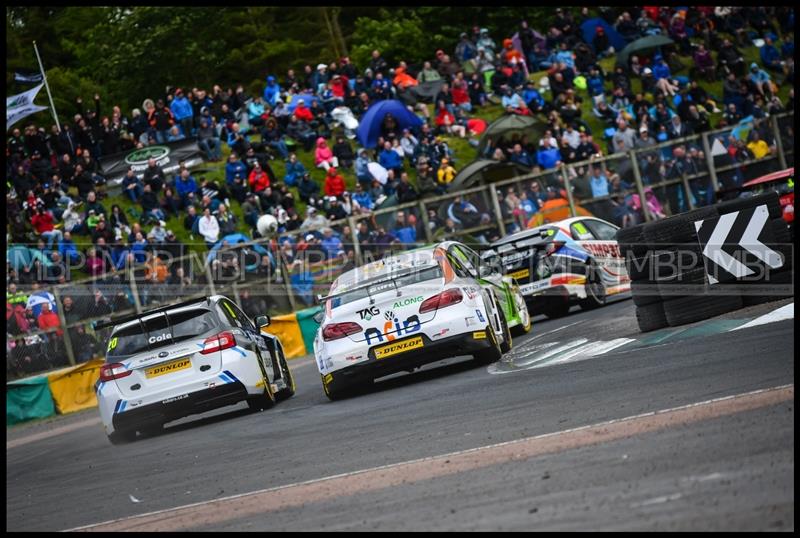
pixel 288 392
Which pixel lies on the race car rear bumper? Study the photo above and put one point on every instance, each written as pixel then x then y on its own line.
pixel 179 406
pixel 431 351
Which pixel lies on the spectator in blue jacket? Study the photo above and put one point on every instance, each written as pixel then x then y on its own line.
pixel 363 198
pixel 182 112
pixel 67 249
pixel 255 110
pixel 390 159
pixel 331 244
pixel 294 171
pixel 532 97
pixel 362 171
pixel 132 186
pixel 548 156
pixel 186 188
pixel 519 155
pixel 770 57
pixel 598 182
pixel 233 167
pixel 272 91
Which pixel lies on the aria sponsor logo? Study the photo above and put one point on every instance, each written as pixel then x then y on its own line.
pixel 367 313
pixel 407 301
pixel 410 325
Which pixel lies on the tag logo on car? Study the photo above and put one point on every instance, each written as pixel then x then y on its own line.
pixel 367 313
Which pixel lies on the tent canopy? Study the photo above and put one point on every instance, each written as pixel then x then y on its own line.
pixel 235 239
pixel 484 171
pixel 370 127
pixel 614 38
pixel 642 46
pixel 307 98
pixel 506 126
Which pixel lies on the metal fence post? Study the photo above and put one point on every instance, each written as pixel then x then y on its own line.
pixel 426 222
pixel 710 162
pixel 134 291
pixel 688 190
pixel 637 178
pixel 779 143
pixel 210 277
pixel 287 283
pixel 63 321
pixel 236 295
pixel 570 199
pixel 498 214
pixel 354 237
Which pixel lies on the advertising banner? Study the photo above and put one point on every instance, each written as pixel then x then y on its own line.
pixel 168 156
pixel 73 389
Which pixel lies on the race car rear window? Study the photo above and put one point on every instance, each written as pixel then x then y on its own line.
pixel 159 331
pixel 382 284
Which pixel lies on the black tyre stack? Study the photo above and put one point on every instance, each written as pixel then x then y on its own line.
pixel 669 274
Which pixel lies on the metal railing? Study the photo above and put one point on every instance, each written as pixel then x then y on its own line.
pixel 644 184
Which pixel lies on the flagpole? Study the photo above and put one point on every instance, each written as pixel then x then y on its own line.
pixel 47 87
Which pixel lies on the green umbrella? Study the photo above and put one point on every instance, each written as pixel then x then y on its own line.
pixel 642 46
pixel 506 126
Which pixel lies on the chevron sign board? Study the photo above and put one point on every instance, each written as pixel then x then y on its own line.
pixel 735 245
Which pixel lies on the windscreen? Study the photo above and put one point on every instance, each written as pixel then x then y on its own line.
pixel 160 330
pixel 382 283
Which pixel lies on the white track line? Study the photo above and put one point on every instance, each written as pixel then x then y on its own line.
pixel 780 314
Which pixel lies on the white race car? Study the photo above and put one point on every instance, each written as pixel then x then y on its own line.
pixel 187 358
pixel 410 309
pixel 576 260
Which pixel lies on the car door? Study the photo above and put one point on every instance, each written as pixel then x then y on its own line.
pixel 487 278
pixel 247 335
pixel 601 242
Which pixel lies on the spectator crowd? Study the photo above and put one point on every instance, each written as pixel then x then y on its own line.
pixel 61 213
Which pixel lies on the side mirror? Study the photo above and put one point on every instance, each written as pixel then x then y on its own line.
pixel 484 270
pixel 319 316
pixel 262 321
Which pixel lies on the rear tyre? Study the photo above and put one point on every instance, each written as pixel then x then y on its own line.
pixel 493 353
pixel 524 315
pixel 288 392
pixel 505 347
pixel 121 437
pixel 595 290
pixel 335 392
pixel 262 401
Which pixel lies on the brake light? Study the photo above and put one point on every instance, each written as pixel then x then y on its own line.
pixel 553 247
pixel 218 342
pixel 446 298
pixel 334 331
pixel 113 370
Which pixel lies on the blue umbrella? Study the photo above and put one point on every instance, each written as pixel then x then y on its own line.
pixel 307 98
pixel 370 127
pixel 588 29
pixel 235 239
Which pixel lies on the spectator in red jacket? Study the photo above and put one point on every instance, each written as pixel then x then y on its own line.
pixel 258 179
pixel 48 319
pixel 303 112
pixel 334 183
pixel 42 222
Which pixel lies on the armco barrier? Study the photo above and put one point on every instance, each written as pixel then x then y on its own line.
pixel 28 399
pixel 73 389
pixel 708 261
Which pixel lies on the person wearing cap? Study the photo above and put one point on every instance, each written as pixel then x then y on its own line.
pixel 760 80
pixel 314 220
pixel 465 49
pixel 319 78
pixel 486 42
pixel 158 234
pixel 182 112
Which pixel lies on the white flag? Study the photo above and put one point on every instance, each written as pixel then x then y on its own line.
pixel 23 99
pixel 13 115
